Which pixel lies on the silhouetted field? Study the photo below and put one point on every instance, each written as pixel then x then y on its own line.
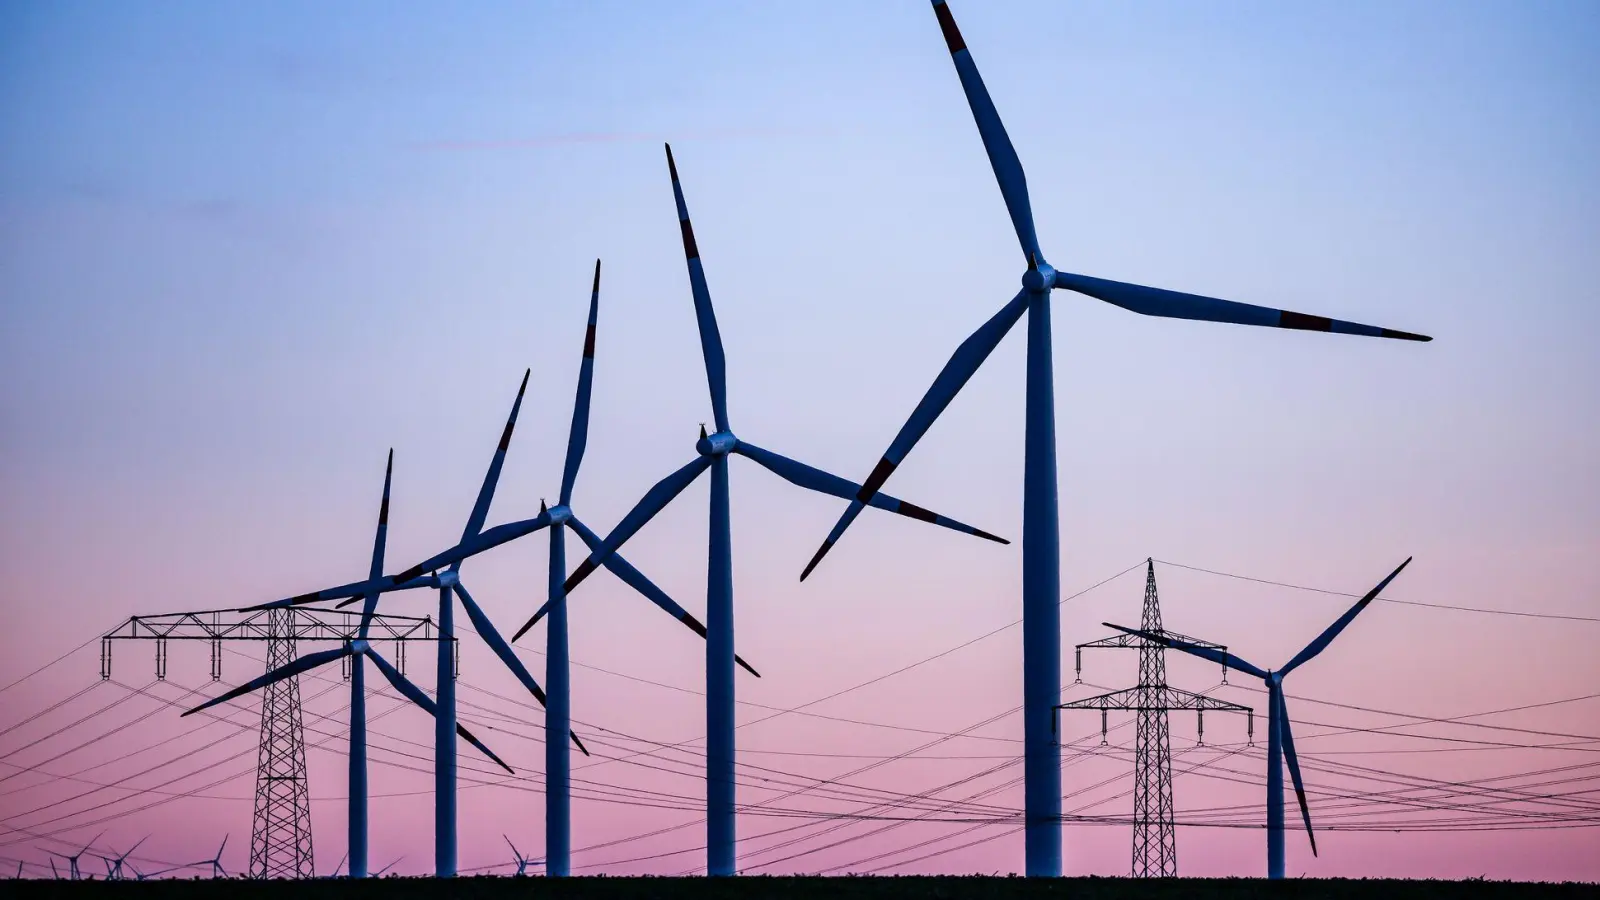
pixel 844 888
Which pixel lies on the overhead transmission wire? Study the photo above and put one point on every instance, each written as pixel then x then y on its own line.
pixel 945 653
pixel 1300 587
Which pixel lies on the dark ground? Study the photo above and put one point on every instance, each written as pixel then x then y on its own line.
pixel 844 888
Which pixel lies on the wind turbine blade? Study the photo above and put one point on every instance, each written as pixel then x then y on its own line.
pixel 479 543
pixel 389 583
pixel 1216 656
pixel 1294 766
pixel 343 591
pixel 491 636
pixel 635 579
pixel 1327 636
pixel 379 542
pixel 513 847
pixel 375 571
pixel 651 503
pixel 415 695
pixel 710 337
pixel 1151 301
pixel 802 475
pixel 480 508
pixel 1002 156
pixel 303 664
pixel 578 437
pixel 955 374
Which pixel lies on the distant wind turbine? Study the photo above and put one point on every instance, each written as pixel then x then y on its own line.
pixel 73 872
pixel 1041 545
pixel 522 861
pixel 712 453
pixel 215 862
pixel 1280 741
pixel 114 863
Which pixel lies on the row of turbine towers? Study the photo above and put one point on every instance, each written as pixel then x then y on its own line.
pixel 1040 551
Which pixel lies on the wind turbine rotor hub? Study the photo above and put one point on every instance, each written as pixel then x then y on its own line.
pixel 359 645
pixel 448 579
pixel 559 514
pixel 719 444
pixel 1040 278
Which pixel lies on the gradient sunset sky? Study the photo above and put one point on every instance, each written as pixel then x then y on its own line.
pixel 247 248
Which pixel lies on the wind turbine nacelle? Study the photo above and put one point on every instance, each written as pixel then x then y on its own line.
pixel 448 579
pixel 1039 278
pixel 559 515
pixel 719 444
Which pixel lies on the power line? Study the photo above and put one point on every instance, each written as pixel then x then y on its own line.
pixel 1301 587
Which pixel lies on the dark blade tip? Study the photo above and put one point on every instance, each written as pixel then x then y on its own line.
pixel 947 24
pixel 747 667
pixel 188 713
pixel 578 576
pixel 1303 322
pixel 596 288
pixel 1404 335
pixel 694 624
pixel 990 537
pixel 525 373
pixel 344 603
pixel 691 250
pixel 581 748
pixel 880 474
pixel 522 631
pixel 672 167
pixel 817 558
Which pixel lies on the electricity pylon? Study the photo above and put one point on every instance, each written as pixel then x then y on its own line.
pixel 1155 844
pixel 280 836
pixel 280 833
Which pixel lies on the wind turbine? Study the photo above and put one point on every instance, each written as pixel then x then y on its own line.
pixel 383 871
pixel 358 651
pixel 1280 742
pixel 215 862
pixel 522 861
pixel 114 863
pixel 449 582
pixel 713 452
pixel 1041 564
pixel 73 872
pixel 558 721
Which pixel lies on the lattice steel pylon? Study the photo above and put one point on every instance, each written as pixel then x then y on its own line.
pixel 1155 841
pixel 280 835
pixel 280 844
